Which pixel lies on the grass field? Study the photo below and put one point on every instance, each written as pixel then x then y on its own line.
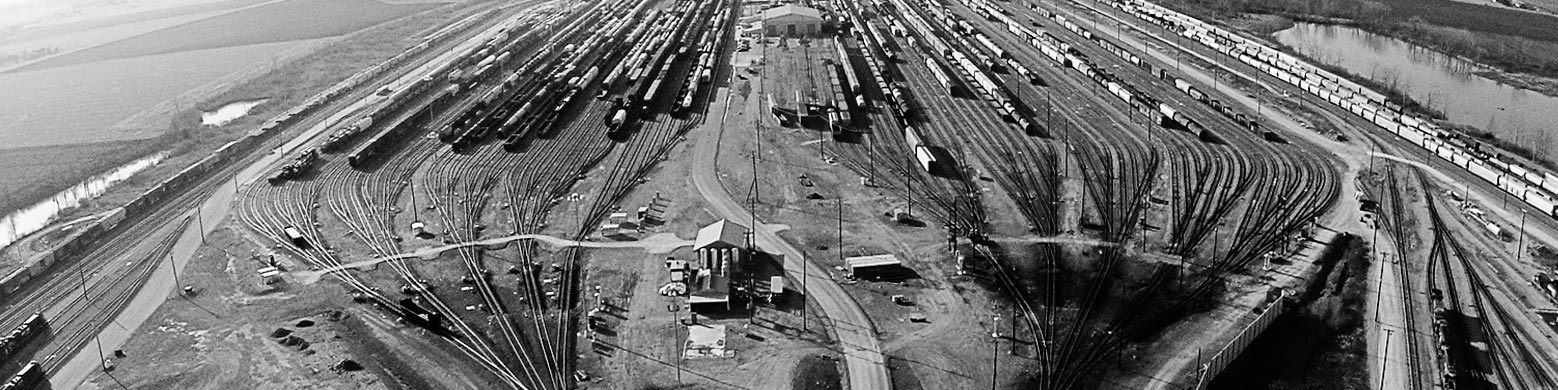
pixel 1475 17
pixel 32 173
pixel 81 104
pixel 287 20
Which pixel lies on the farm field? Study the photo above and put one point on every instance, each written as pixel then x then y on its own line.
pixel 82 103
pixel 89 17
pixel 67 42
pixel 287 20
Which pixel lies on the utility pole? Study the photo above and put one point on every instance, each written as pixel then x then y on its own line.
pixel 102 359
pixel 1520 247
pixel 840 202
pixel 805 294
pixel 995 351
pixel 676 339
pixel 201 224
pixel 175 266
pixel 1384 359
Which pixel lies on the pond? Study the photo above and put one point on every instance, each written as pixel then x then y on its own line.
pixel 229 112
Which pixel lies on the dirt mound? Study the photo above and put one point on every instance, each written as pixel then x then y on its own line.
pixel 346 365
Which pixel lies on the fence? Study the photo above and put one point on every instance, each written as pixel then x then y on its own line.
pixel 1209 370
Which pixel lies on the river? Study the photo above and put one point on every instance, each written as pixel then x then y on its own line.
pixel 1442 82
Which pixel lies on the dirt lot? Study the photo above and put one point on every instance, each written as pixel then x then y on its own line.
pixel 936 353
pixel 238 333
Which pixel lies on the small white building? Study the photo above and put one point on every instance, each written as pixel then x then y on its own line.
pixel 874 266
pixel 721 246
pixel 792 20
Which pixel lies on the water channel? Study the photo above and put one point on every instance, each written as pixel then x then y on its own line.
pixel 1445 83
pixel 32 218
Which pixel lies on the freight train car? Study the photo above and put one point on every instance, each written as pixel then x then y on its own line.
pixel 299 166
pixel 20 336
pixel 31 377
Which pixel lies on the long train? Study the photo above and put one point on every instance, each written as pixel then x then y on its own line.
pixel 1531 185
pixel 1062 53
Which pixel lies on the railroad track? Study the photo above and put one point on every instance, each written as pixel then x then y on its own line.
pixel 1468 313
pixel 1257 238
pixel 79 322
pixel 1388 191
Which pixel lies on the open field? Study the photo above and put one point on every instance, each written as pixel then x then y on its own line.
pixel 283 21
pixel 82 32
pixel 82 103
pixel 131 13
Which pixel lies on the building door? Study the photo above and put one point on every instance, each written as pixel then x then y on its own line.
pixel 790 29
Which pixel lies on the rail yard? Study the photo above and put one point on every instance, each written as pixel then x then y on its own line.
pixel 826 194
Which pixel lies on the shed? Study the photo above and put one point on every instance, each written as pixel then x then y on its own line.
pixel 792 20
pixel 875 266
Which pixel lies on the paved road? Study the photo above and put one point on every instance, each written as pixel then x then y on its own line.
pixel 855 332
pixel 212 211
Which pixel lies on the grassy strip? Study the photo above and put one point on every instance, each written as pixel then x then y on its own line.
pixel 817 372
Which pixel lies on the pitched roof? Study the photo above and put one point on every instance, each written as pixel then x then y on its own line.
pixel 721 234
pixel 791 9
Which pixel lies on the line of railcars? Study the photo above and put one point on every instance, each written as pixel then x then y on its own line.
pixel 448 81
pixel 979 67
pixel 880 52
pixel 1063 54
pixel 1533 186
